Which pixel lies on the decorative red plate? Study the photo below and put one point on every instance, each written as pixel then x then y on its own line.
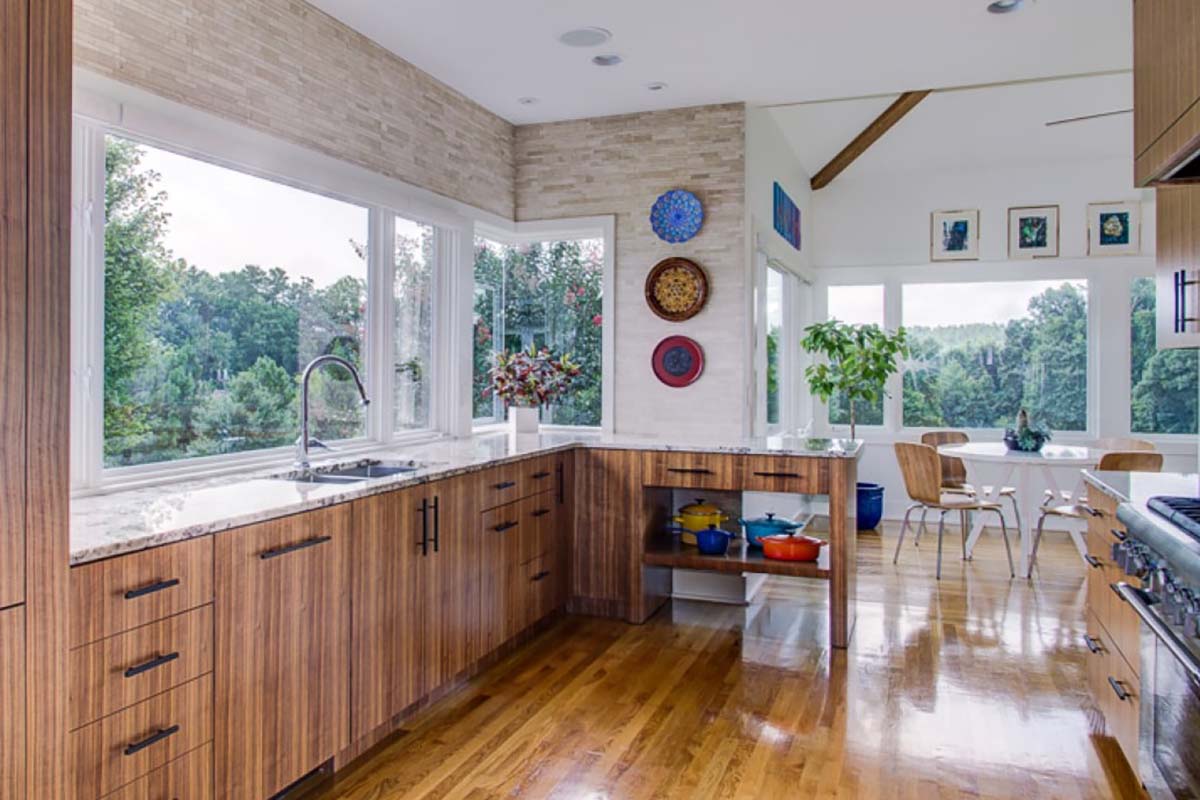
pixel 677 361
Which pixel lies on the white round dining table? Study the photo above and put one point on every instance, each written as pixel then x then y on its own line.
pixel 1031 474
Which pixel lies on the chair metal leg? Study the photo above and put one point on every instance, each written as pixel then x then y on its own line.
pixel 962 529
pixel 903 528
pixel 1012 572
pixel 941 531
pixel 1037 539
pixel 920 527
pixel 1016 511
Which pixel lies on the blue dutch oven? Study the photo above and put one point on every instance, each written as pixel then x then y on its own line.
pixel 757 528
pixel 713 541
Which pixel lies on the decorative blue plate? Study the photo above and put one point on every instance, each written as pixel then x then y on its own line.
pixel 677 216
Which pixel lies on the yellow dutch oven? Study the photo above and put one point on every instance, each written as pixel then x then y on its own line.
pixel 698 516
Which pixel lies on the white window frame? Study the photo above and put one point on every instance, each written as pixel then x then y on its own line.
pixel 531 232
pixel 796 311
pixel 105 107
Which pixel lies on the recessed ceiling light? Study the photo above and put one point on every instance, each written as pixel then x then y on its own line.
pixel 657 86
pixel 585 37
pixel 527 101
pixel 610 60
pixel 1004 6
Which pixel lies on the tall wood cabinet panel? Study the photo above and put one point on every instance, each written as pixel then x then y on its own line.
pixel 1166 83
pixel 12 704
pixel 1177 272
pixel 450 582
pixel 608 501
pixel 282 645
pixel 14 55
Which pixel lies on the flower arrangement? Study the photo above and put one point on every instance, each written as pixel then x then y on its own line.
pixel 1026 438
pixel 531 378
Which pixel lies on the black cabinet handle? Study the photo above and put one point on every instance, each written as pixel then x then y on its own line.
pixel 777 474
pixel 505 485
pixel 436 525
pixel 1120 536
pixel 424 512
pixel 142 591
pixel 137 747
pixel 1089 510
pixel 541 512
pixel 541 575
pixel 690 470
pixel 537 476
pixel 503 526
pixel 1093 644
pixel 1181 313
pixel 562 482
pixel 153 663
pixel 291 548
pixel 1118 689
pixel 1092 561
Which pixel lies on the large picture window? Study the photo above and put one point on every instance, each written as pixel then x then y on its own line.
pixel 218 288
pixel 982 351
pixel 541 294
pixel 1164 385
pixel 412 328
pixel 856 305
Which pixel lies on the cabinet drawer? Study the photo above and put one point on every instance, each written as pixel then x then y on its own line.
pixel 1125 627
pixel 539 475
pixel 537 523
pixel 121 670
pixel 691 470
pixel 541 581
pixel 1122 715
pixel 188 777
pixel 112 596
pixel 129 744
pixel 785 474
pixel 1096 662
pixel 506 520
pixel 1099 575
pixel 500 485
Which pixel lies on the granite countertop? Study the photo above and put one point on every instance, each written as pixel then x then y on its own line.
pixel 106 525
pixel 1136 488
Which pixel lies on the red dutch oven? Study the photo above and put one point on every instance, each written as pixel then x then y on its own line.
pixel 792 548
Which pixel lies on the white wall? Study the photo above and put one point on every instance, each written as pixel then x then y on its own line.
pixel 770 159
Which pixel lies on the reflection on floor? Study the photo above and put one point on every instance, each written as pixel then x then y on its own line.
pixel 971 687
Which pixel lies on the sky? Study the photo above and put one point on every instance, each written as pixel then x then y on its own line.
pixel 937 304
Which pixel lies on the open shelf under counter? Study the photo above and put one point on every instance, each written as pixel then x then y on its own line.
pixel 739 559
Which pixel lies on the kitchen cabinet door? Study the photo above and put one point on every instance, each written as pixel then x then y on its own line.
pixel 1166 81
pixel 1177 271
pixel 12 703
pixel 501 584
pixel 282 645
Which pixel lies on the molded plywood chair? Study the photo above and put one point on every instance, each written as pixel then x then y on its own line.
pixel 954 472
pixel 1132 461
pixel 922 470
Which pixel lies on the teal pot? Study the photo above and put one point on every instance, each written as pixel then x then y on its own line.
pixel 766 526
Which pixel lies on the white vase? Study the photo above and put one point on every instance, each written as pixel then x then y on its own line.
pixel 523 420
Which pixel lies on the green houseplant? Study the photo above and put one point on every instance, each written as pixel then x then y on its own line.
pixel 856 361
pixel 526 380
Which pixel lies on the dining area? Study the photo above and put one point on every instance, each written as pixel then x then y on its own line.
pixel 1023 494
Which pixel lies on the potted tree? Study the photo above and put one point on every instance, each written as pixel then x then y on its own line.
pixel 856 361
pixel 527 380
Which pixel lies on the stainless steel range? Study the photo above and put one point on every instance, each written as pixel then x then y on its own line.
pixel 1162 552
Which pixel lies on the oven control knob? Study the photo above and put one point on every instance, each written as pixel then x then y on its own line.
pixel 1160 578
pixel 1191 618
pixel 1183 600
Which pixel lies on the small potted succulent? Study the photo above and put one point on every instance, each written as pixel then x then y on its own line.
pixel 526 380
pixel 1026 438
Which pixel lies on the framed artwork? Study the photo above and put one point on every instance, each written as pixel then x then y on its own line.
pixel 1033 232
pixel 787 217
pixel 954 235
pixel 1114 229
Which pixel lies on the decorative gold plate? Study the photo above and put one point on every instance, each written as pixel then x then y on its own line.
pixel 676 289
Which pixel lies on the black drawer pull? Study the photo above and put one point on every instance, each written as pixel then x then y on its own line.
pixel 153 663
pixel 537 476
pixel 541 512
pixel 777 474
pixel 1092 561
pixel 1120 536
pixel 1089 510
pixel 137 747
pixel 503 526
pixel 505 485
pixel 1118 689
pixel 291 548
pixel 541 575
pixel 1093 644
pixel 690 470
pixel 142 591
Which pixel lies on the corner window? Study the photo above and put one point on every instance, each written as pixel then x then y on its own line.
pixel 412 327
pixel 980 352
pixel 218 288
pixel 774 341
pixel 1164 384
pixel 856 305
pixel 540 294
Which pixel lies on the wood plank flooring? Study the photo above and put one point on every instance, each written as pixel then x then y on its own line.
pixel 971 687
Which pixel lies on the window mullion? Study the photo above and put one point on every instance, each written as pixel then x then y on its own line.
pixel 380 313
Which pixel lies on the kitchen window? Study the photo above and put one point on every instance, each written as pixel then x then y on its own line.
pixel 541 293
pixel 1164 384
pixel 982 351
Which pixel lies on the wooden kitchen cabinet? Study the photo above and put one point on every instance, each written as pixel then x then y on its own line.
pixel 12 704
pixel 1177 268
pixel 1166 85
pixel 608 504
pixel 415 597
pixel 502 590
pixel 282 650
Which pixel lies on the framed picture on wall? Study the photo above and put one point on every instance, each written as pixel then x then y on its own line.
pixel 1114 229
pixel 954 235
pixel 1033 232
pixel 787 217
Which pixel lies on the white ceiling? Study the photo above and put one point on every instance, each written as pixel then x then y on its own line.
pixel 758 51
pixel 975 128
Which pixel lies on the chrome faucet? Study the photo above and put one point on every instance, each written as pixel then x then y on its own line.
pixel 304 442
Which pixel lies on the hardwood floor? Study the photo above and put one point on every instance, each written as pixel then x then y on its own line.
pixel 971 687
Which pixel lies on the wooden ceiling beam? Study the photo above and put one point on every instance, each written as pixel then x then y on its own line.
pixel 882 124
